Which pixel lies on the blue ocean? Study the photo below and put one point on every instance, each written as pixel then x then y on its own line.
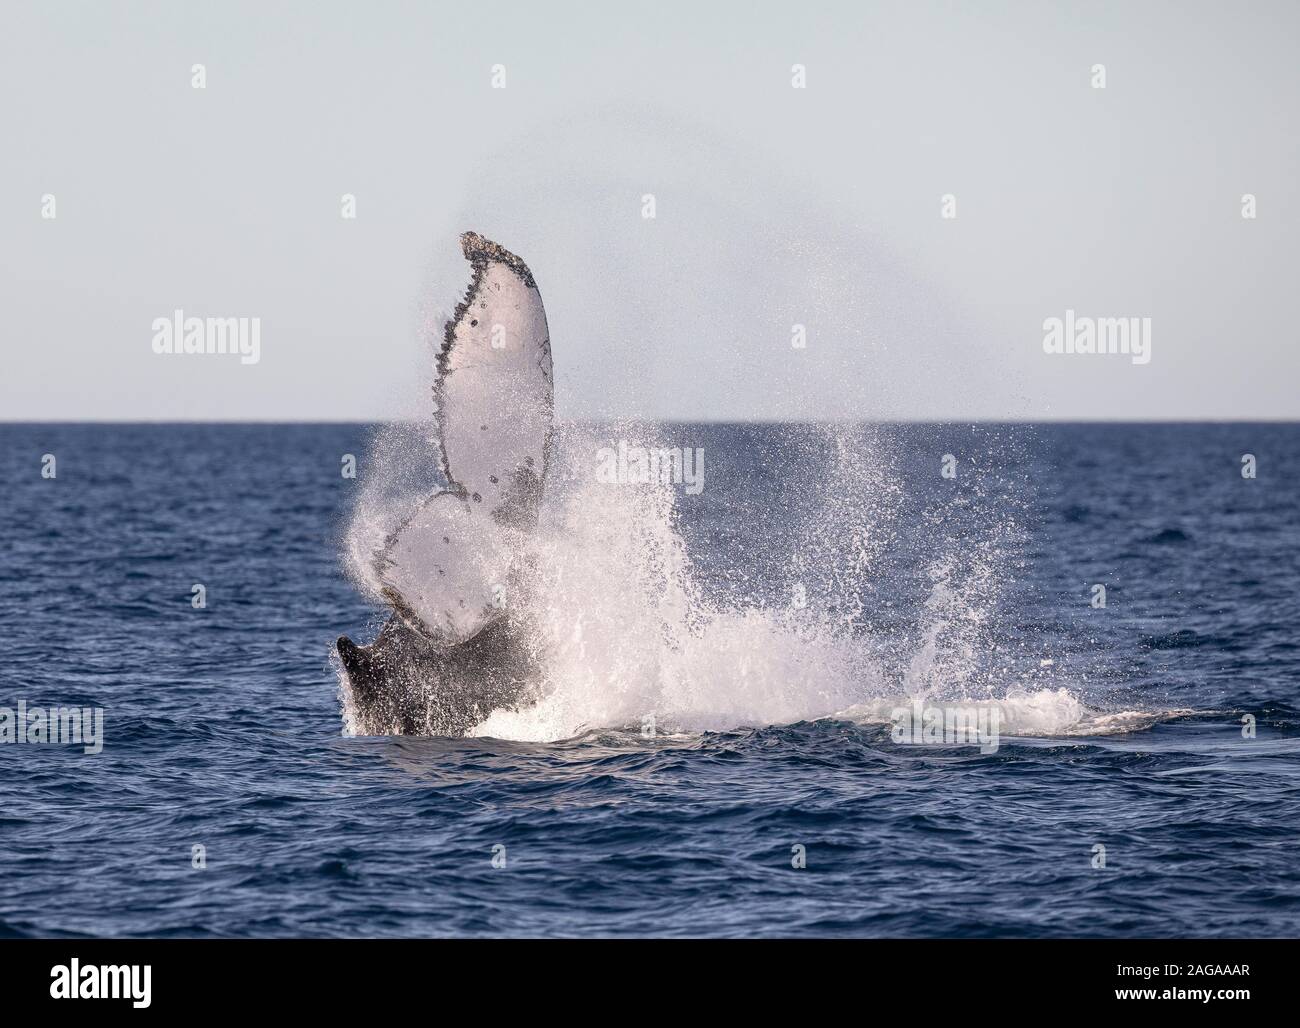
pixel 714 748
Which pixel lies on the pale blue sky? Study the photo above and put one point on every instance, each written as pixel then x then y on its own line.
pixel 774 205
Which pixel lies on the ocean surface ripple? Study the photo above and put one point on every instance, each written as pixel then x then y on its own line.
pixel 1122 725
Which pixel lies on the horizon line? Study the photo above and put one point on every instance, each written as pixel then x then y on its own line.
pixel 675 421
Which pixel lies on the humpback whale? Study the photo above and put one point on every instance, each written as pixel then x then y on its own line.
pixel 457 644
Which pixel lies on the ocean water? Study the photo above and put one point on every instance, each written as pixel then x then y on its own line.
pixel 717 689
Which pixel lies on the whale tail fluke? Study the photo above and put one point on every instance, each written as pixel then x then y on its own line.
pixel 446 569
pixel 456 646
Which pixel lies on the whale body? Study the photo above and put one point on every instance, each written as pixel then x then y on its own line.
pixel 457 646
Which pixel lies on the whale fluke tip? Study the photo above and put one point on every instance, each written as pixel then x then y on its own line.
pixel 350 653
pixel 478 250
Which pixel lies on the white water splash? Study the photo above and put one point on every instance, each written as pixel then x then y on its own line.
pixel 627 638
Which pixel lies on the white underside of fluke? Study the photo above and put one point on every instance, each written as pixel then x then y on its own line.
pixel 447 569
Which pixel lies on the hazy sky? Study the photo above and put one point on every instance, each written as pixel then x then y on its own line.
pixel 774 206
